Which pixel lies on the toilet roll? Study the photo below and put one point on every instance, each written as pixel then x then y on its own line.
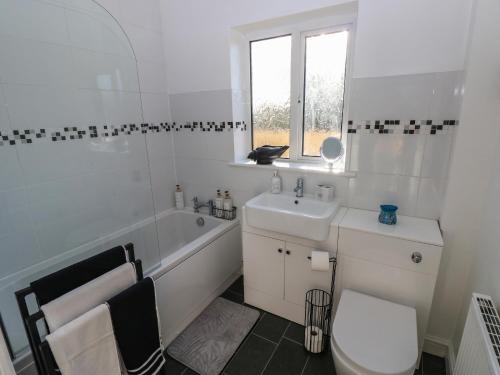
pixel 320 260
pixel 327 193
pixel 313 339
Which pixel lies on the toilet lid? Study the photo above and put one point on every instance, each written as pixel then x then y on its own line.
pixel 375 334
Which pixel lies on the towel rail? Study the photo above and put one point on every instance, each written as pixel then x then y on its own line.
pixel 40 349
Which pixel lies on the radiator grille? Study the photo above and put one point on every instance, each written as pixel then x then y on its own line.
pixel 491 321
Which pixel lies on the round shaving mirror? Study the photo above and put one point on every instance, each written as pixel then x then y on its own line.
pixel 331 150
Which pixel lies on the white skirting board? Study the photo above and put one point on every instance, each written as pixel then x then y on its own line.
pixel 441 348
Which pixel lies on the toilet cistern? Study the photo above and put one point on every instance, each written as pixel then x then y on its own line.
pixel 299 188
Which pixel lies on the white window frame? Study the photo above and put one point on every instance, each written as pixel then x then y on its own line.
pixel 299 33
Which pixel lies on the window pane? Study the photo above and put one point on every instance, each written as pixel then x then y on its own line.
pixel 270 64
pixel 325 62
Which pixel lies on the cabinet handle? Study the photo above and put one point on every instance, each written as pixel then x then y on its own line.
pixel 280 250
pixel 288 252
pixel 416 257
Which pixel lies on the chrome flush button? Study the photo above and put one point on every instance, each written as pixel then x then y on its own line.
pixel 416 257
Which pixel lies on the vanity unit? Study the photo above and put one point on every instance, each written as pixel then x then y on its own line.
pixel 277 271
pixel 396 263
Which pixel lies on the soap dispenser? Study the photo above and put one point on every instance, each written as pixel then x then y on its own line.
pixel 179 197
pixel 219 204
pixel 228 205
pixel 276 183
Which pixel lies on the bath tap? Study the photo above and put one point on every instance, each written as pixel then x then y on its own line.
pixel 197 205
pixel 299 189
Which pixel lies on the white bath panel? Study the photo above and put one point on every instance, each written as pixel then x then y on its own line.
pixel 184 291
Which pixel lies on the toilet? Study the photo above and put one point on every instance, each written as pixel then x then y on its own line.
pixel 371 336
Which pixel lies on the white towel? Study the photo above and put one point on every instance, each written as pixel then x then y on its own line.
pixel 86 345
pixel 6 367
pixel 82 299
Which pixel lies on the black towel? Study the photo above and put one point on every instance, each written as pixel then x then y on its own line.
pixel 50 287
pixel 135 323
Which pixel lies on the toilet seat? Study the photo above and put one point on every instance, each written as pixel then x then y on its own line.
pixel 374 336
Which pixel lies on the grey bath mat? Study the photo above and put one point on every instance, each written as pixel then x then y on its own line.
pixel 210 341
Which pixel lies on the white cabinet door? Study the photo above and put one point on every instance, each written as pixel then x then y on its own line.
pixel 299 278
pixel 263 264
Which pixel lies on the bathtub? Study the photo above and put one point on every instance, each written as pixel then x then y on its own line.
pixel 201 257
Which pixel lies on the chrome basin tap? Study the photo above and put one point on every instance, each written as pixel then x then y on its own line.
pixel 197 205
pixel 299 189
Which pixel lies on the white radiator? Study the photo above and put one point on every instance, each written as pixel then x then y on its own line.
pixel 479 352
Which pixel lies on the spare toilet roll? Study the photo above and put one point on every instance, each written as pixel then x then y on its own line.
pixel 313 339
pixel 327 193
pixel 320 260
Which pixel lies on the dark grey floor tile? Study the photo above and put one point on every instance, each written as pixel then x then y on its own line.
pixel 237 286
pixel 188 372
pixel 271 327
pixel 320 364
pixel 251 357
pixel 433 365
pixel 235 297
pixel 295 332
pixel 172 366
pixel 288 359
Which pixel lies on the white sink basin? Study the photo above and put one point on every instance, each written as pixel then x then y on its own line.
pixel 303 217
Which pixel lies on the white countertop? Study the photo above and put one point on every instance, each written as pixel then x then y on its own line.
pixel 407 228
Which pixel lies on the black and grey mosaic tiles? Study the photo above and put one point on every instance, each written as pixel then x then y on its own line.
pixel 71 133
pixel 407 127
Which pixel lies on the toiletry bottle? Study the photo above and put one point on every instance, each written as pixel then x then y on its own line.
pixel 179 197
pixel 219 204
pixel 276 183
pixel 228 205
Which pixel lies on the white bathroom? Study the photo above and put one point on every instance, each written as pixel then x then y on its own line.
pixel 296 187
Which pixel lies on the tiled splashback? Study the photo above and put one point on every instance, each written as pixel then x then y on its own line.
pixel 71 133
pixel 399 138
pixel 409 127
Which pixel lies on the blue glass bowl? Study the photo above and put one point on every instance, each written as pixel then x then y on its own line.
pixel 388 214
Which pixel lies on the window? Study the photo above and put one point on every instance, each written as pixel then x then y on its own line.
pixel 297 89
pixel 270 72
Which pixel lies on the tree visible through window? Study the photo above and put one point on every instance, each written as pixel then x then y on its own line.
pixel 304 118
pixel 270 64
pixel 325 58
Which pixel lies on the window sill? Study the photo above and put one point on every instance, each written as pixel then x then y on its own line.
pixel 295 166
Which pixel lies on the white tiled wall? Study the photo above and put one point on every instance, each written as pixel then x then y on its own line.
pixel 407 170
pixel 69 63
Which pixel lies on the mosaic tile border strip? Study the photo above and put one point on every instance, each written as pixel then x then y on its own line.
pixel 407 127
pixel 70 133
